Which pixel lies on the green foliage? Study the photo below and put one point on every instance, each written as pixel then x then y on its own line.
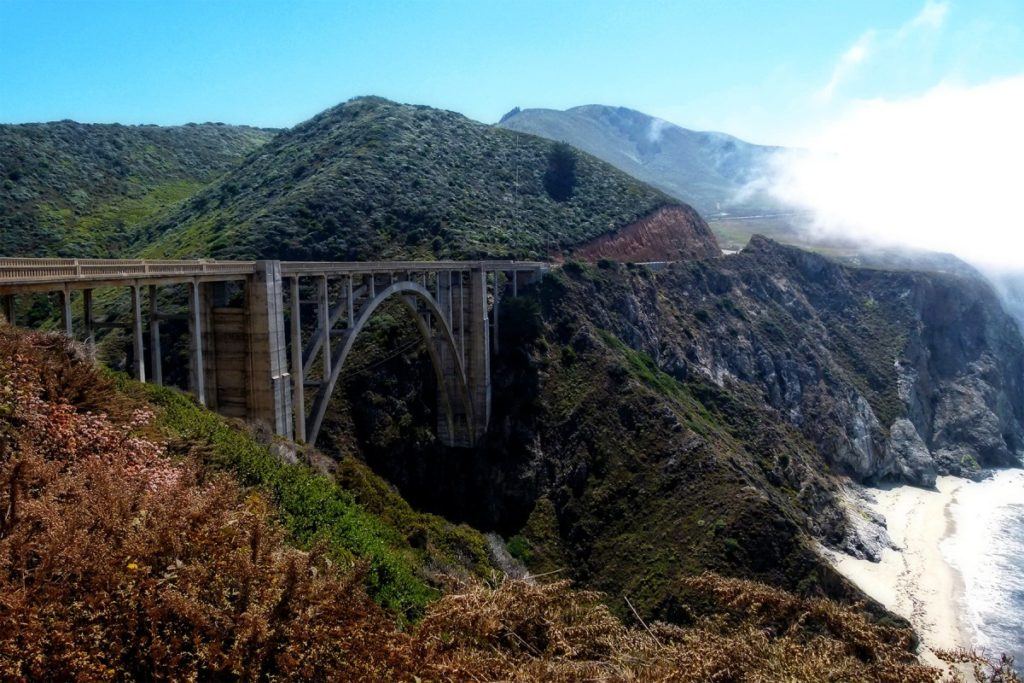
pixel 560 178
pixel 83 190
pixel 313 508
pixel 372 179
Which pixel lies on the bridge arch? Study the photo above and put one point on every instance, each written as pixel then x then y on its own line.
pixel 453 388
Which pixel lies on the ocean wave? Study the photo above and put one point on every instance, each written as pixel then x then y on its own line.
pixel 987 549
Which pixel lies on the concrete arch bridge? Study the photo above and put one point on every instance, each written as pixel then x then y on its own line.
pixel 275 351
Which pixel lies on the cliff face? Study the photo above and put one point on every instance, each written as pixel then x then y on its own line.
pixel 891 374
pixel 691 418
pixel 671 233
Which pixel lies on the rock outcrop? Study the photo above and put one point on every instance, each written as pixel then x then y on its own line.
pixel 896 375
pixel 672 233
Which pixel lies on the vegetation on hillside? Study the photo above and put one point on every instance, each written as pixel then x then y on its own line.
pixel 82 190
pixel 372 179
pixel 125 556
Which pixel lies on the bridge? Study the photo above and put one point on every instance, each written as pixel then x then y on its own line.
pixel 252 352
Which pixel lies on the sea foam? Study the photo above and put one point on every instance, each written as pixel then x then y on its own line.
pixel 987 549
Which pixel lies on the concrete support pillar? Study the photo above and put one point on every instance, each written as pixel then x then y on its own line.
pixel 155 353
pixel 478 360
pixel 9 308
pixel 298 388
pixel 497 303
pixel 195 329
pixel 137 344
pixel 65 311
pixel 443 294
pixel 210 296
pixel 462 316
pixel 515 283
pixel 270 396
pixel 323 308
pixel 372 285
pixel 88 320
pixel 350 303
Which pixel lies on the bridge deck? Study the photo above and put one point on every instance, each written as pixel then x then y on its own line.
pixel 19 275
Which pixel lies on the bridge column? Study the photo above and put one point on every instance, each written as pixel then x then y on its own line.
pixel 195 328
pixel 88 321
pixel 478 356
pixel 298 381
pixel 137 345
pixel 270 397
pixel 210 295
pixel 324 312
pixel 155 355
pixel 65 311
pixel 497 304
pixel 9 308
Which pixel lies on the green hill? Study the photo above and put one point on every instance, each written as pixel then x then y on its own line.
pixel 705 169
pixel 376 179
pixel 73 189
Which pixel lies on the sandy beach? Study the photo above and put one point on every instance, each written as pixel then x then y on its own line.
pixel 916 581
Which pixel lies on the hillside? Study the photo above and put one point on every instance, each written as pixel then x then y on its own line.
pixel 172 544
pixel 375 179
pixel 707 170
pixel 696 418
pixel 81 190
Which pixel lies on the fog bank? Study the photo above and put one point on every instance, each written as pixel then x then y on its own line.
pixel 939 171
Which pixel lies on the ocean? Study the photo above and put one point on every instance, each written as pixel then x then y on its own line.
pixel 987 548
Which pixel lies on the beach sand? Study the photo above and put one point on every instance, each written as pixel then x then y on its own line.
pixel 915 582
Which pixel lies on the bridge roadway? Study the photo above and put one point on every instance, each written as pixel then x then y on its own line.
pixel 249 353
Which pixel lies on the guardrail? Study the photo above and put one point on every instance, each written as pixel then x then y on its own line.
pixel 18 270
pixel 49 272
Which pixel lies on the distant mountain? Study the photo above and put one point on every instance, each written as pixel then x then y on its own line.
pixel 708 170
pixel 73 189
pixel 372 178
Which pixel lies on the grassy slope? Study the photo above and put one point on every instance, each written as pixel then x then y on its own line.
pixel 316 509
pixel 375 179
pixel 81 190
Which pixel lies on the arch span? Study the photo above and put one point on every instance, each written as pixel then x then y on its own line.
pixel 453 388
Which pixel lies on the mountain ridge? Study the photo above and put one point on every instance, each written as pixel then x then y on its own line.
pixel 710 170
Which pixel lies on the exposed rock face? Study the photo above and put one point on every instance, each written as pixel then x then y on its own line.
pixel 892 374
pixel 672 233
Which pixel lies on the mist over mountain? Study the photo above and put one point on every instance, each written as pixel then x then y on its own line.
pixel 712 171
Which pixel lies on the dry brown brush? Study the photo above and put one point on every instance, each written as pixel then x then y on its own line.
pixel 119 561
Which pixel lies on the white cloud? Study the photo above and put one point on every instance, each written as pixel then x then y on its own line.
pixel 847 64
pixel 943 171
pixel 874 42
pixel 932 16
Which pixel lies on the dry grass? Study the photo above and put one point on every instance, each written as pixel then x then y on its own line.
pixel 120 562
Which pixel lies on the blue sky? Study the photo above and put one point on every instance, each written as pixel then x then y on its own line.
pixel 761 70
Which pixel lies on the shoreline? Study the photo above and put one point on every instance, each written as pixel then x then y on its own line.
pixel 916 581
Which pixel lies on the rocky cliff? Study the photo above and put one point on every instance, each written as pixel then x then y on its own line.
pixel 892 374
pixel 694 417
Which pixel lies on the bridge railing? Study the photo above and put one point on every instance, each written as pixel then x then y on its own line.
pixel 26 271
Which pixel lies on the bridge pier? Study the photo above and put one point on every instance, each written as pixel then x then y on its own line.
pixel 138 357
pixel 87 321
pixel 155 355
pixel 65 311
pixel 196 329
pixel 269 390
